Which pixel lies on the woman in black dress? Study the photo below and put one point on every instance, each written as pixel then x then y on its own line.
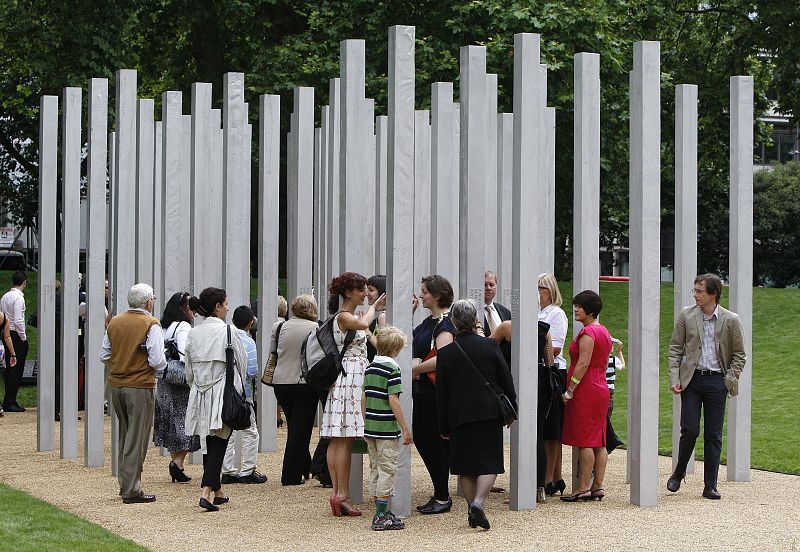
pixel 436 331
pixel 468 412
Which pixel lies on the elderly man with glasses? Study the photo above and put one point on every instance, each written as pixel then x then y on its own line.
pixel 133 349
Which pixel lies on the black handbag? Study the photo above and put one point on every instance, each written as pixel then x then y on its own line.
pixel 235 408
pixel 506 408
pixel 552 383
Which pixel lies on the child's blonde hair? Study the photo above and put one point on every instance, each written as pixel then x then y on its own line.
pixel 390 341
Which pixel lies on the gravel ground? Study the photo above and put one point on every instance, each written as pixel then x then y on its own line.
pixel 760 515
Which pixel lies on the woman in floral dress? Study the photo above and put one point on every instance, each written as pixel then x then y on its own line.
pixel 342 420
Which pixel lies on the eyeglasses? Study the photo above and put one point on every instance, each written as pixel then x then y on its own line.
pixel 543 288
pixel 696 291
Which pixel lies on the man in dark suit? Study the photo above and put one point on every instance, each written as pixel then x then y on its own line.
pixel 706 357
pixel 493 313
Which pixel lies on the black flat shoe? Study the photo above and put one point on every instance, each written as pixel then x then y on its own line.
pixel 141 498
pixel 207 505
pixel 478 516
pixel 437 507
pixel 221 500
pixel 177 474
pixel 426 505
pixel 711 493
pixel 674 481
pixel 580 496
pixel 228 479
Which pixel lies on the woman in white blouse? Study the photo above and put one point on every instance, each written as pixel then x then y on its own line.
pixel 550 311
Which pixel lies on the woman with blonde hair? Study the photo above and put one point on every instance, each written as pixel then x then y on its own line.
pixel 297 399
pixel 550 312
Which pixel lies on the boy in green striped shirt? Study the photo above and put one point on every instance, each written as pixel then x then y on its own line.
pixel 384 424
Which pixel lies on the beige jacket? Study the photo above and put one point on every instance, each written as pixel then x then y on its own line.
pixel 684 347
pixel 205 374
pixel 293 334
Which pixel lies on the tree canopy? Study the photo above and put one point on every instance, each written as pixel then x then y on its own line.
pixel 46 45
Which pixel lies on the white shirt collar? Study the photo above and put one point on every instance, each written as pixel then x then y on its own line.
pixel 713 314
pixel 380 359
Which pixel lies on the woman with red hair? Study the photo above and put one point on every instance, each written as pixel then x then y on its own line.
pixel 342 419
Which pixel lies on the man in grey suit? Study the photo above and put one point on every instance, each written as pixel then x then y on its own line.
pixel 706 357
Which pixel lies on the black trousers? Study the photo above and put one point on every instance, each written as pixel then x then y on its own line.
pixel 212 461
pixel 431 447
pixel 707 393
pixel 319 462
pixel 299 403
pixel 13 375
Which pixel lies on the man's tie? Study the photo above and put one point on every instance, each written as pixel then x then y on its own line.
pixel 490 318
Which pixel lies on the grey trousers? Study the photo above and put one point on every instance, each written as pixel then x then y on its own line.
pixel 134 409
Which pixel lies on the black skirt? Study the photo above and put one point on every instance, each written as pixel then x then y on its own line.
pixel 476 448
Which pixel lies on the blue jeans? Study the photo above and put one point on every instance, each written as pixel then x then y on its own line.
pixel 707 393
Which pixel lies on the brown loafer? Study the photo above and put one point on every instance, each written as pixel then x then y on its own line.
pixel 139 498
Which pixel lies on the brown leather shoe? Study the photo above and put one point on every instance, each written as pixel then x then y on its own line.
pixel 139 498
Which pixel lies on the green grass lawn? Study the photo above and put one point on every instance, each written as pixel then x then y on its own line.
pixel 775 378
pixel 29 524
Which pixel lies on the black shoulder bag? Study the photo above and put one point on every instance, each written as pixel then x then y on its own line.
pixel 235 408
pixel 507 411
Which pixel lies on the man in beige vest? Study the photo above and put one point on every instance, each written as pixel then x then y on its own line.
pixel 706 357
pixel 133 349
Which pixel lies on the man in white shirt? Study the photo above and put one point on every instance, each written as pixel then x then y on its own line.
pixel 13 306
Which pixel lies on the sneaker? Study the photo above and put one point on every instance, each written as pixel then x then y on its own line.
pixel 386 522
pixel 228 479
pixel 254 477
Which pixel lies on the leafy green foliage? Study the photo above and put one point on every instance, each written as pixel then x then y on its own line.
pixel 776 220
pixel 45 45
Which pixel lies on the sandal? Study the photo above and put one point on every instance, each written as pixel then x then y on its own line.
pixel 336 505
pixel 348 509
pixel 598 494
pixel 580 496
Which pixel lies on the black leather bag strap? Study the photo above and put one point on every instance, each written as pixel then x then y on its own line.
pixel 229 362
pixel 483 379
pixel 229 358
pixel 277 337
pixel 348 338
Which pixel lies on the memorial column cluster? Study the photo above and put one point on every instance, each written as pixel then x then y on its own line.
pixel 454 191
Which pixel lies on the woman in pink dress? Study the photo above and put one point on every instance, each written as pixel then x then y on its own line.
pixel 586 397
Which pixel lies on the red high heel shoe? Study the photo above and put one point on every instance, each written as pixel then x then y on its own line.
pixel 347 508
pixel 336 505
